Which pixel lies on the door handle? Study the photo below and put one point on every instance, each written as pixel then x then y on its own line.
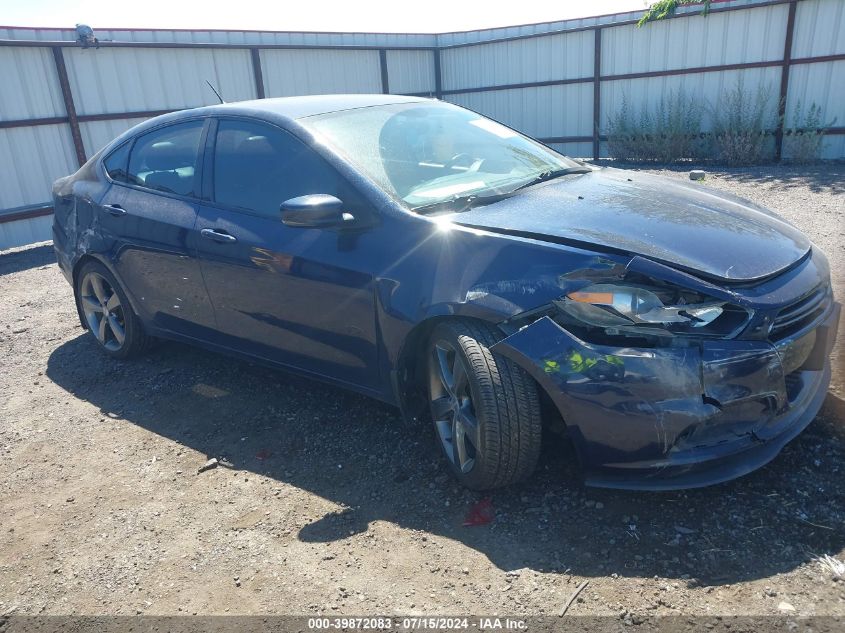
pixel 218 236
pixel 114 209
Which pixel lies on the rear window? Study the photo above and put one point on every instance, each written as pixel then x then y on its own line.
pixel 166 159
pixel 117 162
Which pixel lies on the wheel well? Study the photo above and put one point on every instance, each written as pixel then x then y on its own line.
pixel 75 276
pixel 86 258
pixel 79 264
pixel 411 372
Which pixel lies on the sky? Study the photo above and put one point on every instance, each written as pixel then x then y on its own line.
pixel 420 16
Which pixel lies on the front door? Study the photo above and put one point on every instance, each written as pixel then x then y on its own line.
pixel 297 296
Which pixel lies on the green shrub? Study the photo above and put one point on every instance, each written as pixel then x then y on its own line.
pixel 742 132
pixel 742 127
pixel 803 141
pixel 668 133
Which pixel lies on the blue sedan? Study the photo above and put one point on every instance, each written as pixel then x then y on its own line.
pixel 437 260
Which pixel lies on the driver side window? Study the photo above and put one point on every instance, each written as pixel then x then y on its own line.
pixel 257 167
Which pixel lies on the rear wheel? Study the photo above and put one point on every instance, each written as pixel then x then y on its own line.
pixel 107 314
pixel 485 408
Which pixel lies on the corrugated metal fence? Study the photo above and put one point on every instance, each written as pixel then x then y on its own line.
pixel 559 82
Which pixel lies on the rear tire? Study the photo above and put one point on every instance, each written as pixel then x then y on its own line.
pixel 107 313
pixel 485 408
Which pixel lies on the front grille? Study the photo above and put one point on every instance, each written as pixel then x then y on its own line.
pixel 801 313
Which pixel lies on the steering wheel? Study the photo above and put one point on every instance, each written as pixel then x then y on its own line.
pixel 473 165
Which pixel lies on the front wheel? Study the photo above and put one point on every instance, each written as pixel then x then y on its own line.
pixel 485 408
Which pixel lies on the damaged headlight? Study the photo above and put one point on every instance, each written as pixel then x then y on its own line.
pixel 622 309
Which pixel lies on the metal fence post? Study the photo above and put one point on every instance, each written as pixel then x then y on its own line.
pixel 67 95
pixel 784 79
pixel 596 94
pixel 385 80
pixel 438 82
pixel 257 73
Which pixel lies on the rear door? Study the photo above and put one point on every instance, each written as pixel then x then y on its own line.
pixel 147 218
pixel 298 296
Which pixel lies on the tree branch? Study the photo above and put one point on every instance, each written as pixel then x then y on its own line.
pixel 664 8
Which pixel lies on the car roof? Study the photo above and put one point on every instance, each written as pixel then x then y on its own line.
pixel 280 110
pixel 301 107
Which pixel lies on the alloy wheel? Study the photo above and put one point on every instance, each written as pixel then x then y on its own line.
pixel 103 311
pixel 452 407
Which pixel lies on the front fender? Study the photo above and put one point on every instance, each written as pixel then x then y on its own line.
pixel 443 271
pixel 461 272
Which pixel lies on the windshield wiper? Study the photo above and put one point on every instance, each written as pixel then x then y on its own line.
pixel 457 204
pixel 552 174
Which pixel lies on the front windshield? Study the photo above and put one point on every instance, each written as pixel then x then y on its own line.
pixel 427 153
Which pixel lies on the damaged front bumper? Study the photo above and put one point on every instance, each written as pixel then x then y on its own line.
pixel 678 417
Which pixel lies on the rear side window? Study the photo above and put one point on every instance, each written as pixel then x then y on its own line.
pixel 166 160
pixel 116 163
pixel 257 167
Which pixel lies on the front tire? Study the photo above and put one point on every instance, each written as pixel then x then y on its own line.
pixel 485 408
pixel 107 314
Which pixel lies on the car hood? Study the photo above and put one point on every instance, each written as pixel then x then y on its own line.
pixel 690 226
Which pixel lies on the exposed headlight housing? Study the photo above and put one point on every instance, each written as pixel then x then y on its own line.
pixel 640 310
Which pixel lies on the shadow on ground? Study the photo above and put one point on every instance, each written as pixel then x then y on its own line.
pixel 355 452
pixel 17 261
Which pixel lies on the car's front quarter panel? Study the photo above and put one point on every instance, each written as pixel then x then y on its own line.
pixel 436 271
pixel 695 412
pixel 444 270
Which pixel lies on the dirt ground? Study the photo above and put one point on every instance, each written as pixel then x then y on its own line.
pixel 325 503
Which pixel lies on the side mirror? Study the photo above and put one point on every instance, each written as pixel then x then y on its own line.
pixel 314 211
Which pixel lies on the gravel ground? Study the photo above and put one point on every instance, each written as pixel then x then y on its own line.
pixel 324 503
